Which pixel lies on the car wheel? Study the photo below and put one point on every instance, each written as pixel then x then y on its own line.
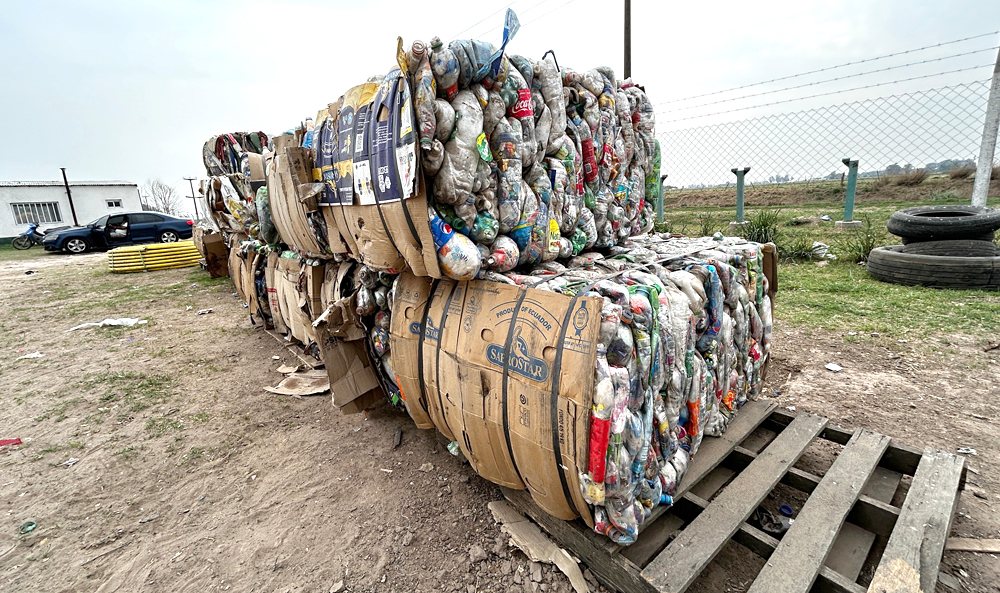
pixel 890 264
pixel 169 237
pixel 935 223
pixel 76 245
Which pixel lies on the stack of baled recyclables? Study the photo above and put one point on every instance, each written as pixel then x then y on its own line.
pixel 494 256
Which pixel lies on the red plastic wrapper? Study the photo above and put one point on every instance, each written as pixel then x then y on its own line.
pixel 599 431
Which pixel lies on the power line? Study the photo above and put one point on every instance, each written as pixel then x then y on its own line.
pixel 808 84
pixel 526 11
pixel 909 51
pixel 481 21
pixel 827 94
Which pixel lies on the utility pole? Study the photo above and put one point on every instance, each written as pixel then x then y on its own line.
pixel 985 165
pixel 628 38
pixel 69 194
pixel 190 180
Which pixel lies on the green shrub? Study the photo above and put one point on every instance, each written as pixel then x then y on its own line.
pixel 709 224
pixel 797 249
pixel 762 227
pixel 857 244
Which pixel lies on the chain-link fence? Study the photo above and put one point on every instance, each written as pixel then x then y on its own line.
pixel 938 130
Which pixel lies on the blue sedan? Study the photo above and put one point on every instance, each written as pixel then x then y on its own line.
pixel 115 230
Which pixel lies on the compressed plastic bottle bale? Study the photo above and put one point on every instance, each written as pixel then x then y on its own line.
pixel 543 127
pixel 566 247
pixel 506 152
pixel 415 55
pixel 484 229
pixel 551 85
pixel 423 98
pixel 524 233
pixel 494 111
pixel 523 112
pixel 525 66
pixel 454 180
pixel 486 202
pixel 563 205
pixel 503 254
pixel 433 157
pixel 445 67
pixel 472 55
pixel 553 246
pixel 458 256
pixel 588 226
pixel 268 233
pixel 444 119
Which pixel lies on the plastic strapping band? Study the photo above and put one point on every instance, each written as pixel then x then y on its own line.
pixel 420 346
pixel 437 360
pixel 506 358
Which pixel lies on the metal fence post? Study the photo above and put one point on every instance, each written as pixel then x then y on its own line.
pixel 852 182
pixel 736 227
pixel 659 200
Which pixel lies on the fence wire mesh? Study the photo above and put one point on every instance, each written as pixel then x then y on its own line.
pixel 938 130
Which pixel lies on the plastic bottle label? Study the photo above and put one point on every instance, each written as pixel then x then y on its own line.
pixel 589 160
pixel 522 107
pixel 484 147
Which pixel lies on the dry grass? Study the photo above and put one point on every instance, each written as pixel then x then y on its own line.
pixel 915 177
pixel 962 173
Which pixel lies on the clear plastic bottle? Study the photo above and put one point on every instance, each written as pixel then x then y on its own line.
pixel 458 256
pixel 445 67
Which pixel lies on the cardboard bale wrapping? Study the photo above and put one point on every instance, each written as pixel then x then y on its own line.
pixel 292 300
pixel 212 247
pixel 501 372
pixel 270 275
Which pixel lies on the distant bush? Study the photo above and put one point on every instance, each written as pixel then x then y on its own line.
pixel 797 249
pixel 857 244
pixel 709 224
pixel 961 173
pixel 915 177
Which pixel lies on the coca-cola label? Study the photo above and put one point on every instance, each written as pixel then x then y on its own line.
pixel 451 91
pixel 522 108
pixel 589 160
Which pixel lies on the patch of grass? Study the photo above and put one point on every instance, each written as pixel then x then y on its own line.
pixel 202 417
pixel 797 249
pixel 842 296
pixel 709 223
pixel 162 424
pixel 129 452
pixel 58 411
pixel 134 390
pixel 762 226
pixel 194 453
pixel 857 244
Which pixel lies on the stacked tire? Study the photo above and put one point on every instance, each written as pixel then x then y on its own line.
pixel 942 246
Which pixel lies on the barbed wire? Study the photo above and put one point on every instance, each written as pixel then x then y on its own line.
pixel 828 68
pixel 860 88
pixel 819 82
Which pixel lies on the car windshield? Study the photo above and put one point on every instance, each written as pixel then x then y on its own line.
pixel 99 222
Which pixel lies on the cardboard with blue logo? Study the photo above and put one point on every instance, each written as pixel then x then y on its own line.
pixel 373 190
pixel 508 374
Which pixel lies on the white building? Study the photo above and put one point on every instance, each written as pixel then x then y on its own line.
pixel 46 203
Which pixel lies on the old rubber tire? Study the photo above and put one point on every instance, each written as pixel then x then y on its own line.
pixel 956 248
pixel 985 237
pixel 943 222
pixel 890 264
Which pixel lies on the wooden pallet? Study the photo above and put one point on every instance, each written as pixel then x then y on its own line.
pixel 847 509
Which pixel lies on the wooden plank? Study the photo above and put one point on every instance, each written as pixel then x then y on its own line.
pixel 712 483
pixel 799 557
pixel 913 554
pixel 968 544
pixel 876 515
pixel 853 544
pixel 712 451
pixel 899 457
pixel 691 551
pixel 653 540
pixel 612 569
pixel 763 545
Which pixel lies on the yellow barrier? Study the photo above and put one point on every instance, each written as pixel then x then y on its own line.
pixel 156 256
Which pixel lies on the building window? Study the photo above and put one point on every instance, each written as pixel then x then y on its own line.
pixel 114 203
pixel 40 212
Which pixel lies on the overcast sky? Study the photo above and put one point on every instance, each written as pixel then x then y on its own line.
pixel 131 90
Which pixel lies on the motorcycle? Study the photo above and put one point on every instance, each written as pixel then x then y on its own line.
pixel 28 238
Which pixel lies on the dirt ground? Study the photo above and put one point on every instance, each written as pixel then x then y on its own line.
pixel 153 459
